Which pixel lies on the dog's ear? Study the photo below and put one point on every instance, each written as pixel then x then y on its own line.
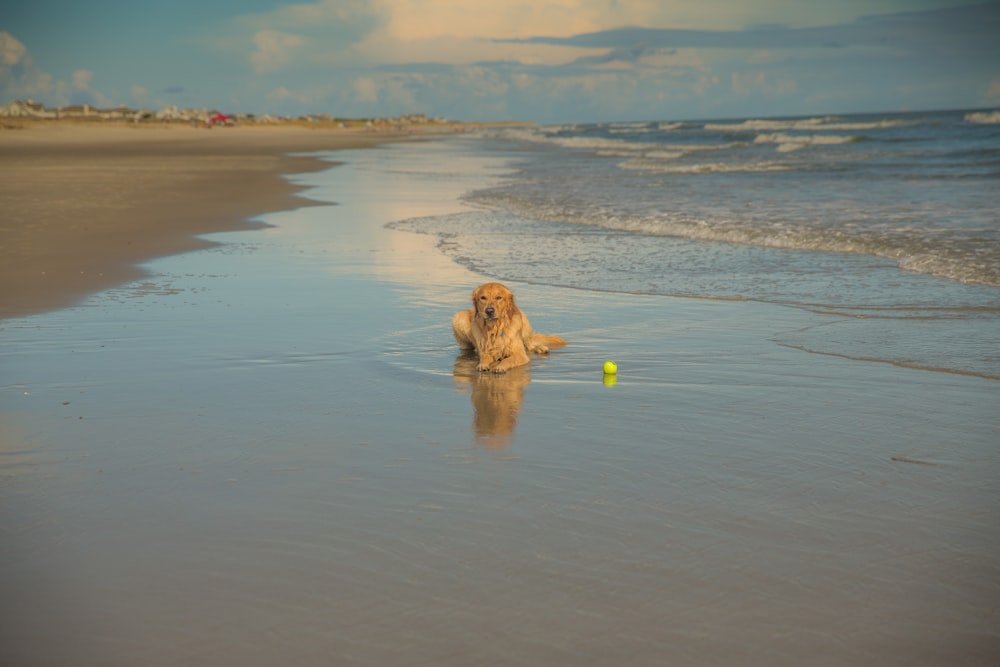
pixel 475 300
pixel 511 305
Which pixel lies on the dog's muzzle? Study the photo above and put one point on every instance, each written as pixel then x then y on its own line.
pixel 490 311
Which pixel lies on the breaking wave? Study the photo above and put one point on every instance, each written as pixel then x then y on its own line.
pixel 963 257
pixel 983 117
pixel 794 142
pixel 826 123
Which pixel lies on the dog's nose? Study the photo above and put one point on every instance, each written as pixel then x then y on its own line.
pixel 490 310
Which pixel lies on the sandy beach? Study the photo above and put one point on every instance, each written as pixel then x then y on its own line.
pixel 269 450
pixel 84 204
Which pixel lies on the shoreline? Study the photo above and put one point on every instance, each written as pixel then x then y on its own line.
pixel 86 205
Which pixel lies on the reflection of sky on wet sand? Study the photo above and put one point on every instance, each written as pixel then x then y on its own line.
pixel 398 185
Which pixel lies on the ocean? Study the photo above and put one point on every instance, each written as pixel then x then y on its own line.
pixel 886 226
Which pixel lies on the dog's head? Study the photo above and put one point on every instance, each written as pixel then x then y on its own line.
pixel 493 301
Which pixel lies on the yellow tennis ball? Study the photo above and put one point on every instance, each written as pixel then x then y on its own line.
pixel 610 367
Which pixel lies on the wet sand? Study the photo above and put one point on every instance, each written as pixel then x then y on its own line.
pixel 270 451
pixel 84 204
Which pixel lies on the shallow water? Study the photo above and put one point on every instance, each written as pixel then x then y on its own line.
pixel 916 188
pixel 271 451
pixel 861 218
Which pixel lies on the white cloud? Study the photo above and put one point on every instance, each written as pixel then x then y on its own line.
pixel 764 57
pixel 411 20
pixel 447 37
pixel 363 33
pixel 11 50
pixel 399 92
pixel 82 78
pixel 273 50
pixel 365 90
pixel 745 84
pixel 993 92
pixel 414 20
pixel 324 14
pixel 384 48
pixel 279 94
pixel 19 77
pixel 312 96
pixel 359 32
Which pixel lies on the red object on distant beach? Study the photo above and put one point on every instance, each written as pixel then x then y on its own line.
pixel 221 118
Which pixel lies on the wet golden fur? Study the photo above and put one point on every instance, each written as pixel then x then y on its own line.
pixel 497 330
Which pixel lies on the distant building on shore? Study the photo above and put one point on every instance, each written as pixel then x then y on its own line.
pixel 29 109
pixel 26 109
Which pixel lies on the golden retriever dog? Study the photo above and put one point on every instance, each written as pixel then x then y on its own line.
pixel 498 331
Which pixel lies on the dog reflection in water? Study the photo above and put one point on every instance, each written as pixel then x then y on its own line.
pixel 496 399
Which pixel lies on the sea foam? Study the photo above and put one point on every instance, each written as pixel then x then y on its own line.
pixel 983 117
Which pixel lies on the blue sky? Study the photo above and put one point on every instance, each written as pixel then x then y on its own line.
pixel 546 61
